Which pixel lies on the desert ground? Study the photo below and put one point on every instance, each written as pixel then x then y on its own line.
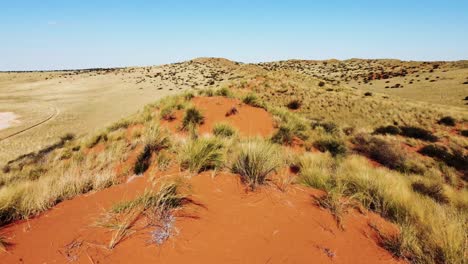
pixel 215 161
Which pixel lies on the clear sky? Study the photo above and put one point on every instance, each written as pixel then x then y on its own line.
pixel 82 34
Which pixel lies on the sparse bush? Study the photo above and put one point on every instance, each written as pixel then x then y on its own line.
pixel 188 96
pixel 284 135
pixel 290 127
pixel 452 157
pixel 156 138
pixel 294 104
pixel 433 190
pixel 224 92
pixel 390 130
pixel 336 147
pixel 464 133
pixel 223 130
pixel 232 111
pixel 167 113
pixel 192 117
pixel 321 84
pixel 252 100
pixel 329 127
pixel 96 140
pixel 143 161
pixel 119 125
pixel 202 154
pixel 255 160
pixel 447 121
pixel 315 170
pixel 418 133
pixel 386 153
pixel 367 94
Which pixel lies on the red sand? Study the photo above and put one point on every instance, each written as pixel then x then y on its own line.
pixel 250 121
pixel 225 225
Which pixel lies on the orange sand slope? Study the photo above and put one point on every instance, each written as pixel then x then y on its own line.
pixel 226 224
pixel 250 121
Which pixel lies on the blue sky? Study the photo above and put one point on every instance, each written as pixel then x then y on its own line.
pixel 82 34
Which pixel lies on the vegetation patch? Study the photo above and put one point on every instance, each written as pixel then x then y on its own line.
pixel 202 154
pixel 447 121
pixel 418 133
pixel 224 130
pixel 452 157
pixel 255 161
pixel 336 147
pixel 192 118
pixel 388 154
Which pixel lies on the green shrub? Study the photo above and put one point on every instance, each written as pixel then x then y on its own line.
pixel 418 133
pixel 192 117
pixel 252 100
pixel 433 190
pixel 96 139
pixel 452 157
pixel 284 135
pixel 224 92
pixel 119 125
pixel 156 138
pixel 223 130
pixel 202 154
pixel 294 104
pixel 255 160
pixel 188 96
pixel 390 130
pixel 167 113
pixel 143 161
pixel 447 121
pixel 388 154
pixel 336 147
pixel 329 127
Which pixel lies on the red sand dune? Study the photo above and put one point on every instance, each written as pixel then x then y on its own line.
pixel 224 224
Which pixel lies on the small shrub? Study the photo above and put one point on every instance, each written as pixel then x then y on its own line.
pixel 447 121
pixel 255 161
pixel 390 130
pixel 294 104
pixel 418 133
pixel 284 135
pixel 192 117
pixel 119 125
pixel 167 113
pixel 433 190
pixel 452 157
pixel 252 100
pixel 464 133
pixel 96 139
pixel 156 138
pixel 223 130
pixel 143 161
pixel 188 96
pixel 321 84
pixel 336 147
pixel 202 154
pixel 232 111
pixel 329 127
pixel 224 92
pixel 367 94
pixel 388 154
